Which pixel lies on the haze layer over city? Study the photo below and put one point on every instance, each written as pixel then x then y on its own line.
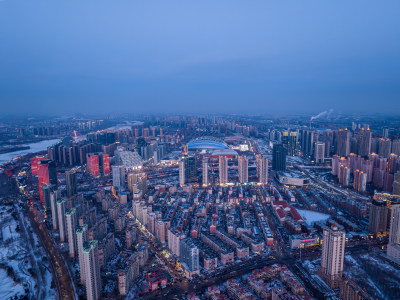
pixel 199 150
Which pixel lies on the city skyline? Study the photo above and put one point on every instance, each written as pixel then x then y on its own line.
pixel 199 150
pixel 188 207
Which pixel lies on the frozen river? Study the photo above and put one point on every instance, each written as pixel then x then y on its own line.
pixel 34 147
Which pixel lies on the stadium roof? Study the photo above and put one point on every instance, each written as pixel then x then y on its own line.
pixel 207 143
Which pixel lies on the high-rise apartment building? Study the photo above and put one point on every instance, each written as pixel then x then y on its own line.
pixel 46 191
pixel 189 254
pixel 292 149
pixel 130 237
pixel 35 164
pixel 364 140
pixel 396 183
pixel 70 180
pixel 343 142
pixel 47 174
pixel 332 255
pixel 92 270
pixel 92 162
pixel 54 197
pixel 394 235
pixel 61 205
pixel 262 169
pixel 182 177
pixel 118 173
pixel 396 147
pixel 385 132
pixel 285 140
pixel 278 157
pixel 71 222
pixel 104 163
pixel 160 228
pixel 187 169
pixel 344 175
pixel 128 273
pixel 319 152
pixel 190 167
pixel 392 163
pixel 223 169
pixel 174 240
pixel 205 172
pixel 393 249
pixel 131 178
pixel 145 132
pixel 384 147
pixel 378 217
pixel 82 237
pixel 360 180
pixel 307 142
pixel 243 169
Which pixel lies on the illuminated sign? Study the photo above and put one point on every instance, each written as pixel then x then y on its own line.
pixel 307 240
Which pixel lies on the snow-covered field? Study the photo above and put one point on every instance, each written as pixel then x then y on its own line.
pixel 311 217
pixel 9 288
pixel 24 267
pixel 371 271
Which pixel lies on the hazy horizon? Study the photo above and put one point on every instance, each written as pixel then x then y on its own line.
pixel 262 57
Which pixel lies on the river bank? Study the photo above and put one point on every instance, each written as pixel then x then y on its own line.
pixel 28 148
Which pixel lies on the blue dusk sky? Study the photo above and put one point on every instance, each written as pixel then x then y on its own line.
pixel 208 56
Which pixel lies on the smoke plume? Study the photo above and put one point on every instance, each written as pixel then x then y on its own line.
pixel 325 114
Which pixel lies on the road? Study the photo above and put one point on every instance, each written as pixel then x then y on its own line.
pixel 331 187
pixel 61 276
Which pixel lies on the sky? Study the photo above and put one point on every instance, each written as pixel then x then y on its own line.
pixel 208 56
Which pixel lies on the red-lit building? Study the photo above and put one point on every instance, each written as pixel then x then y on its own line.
pixel 35 164
pixel 106 164
pixel 92 161
pixel 47 174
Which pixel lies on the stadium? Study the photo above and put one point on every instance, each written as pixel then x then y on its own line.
pixel 206 143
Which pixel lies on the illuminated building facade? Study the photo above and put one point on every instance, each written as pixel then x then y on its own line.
pixel 92 161
pixel 205 172
pixel 332 255
pixel 262 169
pixel 47 174
pixel 223 169
pixel 35 164
pixel 243 168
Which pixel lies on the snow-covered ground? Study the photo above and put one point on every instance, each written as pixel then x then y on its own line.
pixel 9 288
pixel 24 267
pixel 311 217
pixel 371 271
